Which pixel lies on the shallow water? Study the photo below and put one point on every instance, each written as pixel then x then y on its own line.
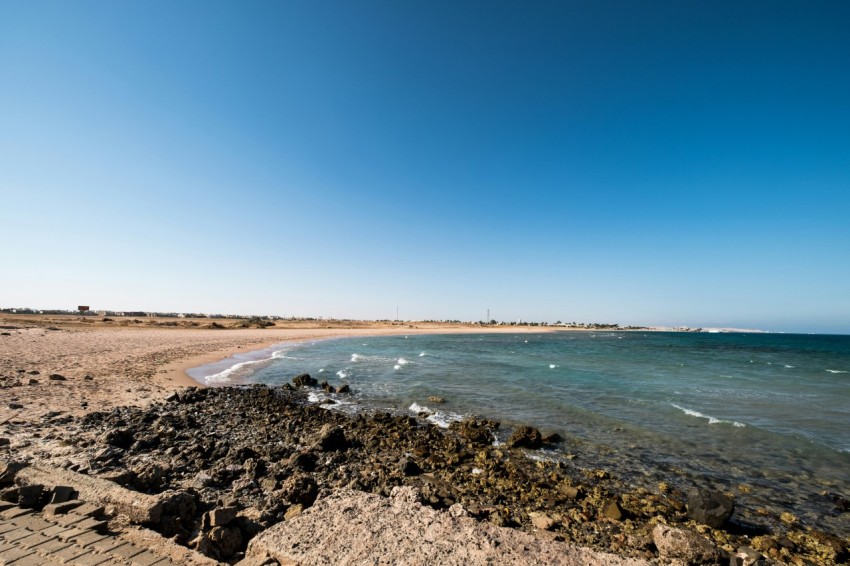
pixel 767 412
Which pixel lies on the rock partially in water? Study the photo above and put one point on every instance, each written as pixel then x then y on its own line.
pixel 525 437
pixel 304 380
pixel 710 508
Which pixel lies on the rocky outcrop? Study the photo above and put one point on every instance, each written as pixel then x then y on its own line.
pixel 525 437
pixel 351 527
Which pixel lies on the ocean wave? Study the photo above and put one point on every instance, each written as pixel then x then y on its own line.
pixel 342 374
pixel 225 375
pixel 711 420
pixel 422 355
pixel 439 418
pixel 552 366
pixel 837 371
pixel 355 357
pixel 402 362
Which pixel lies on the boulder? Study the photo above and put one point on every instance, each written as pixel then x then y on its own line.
pixel 304 380
pixel 331 438
pixel 685 546
pixel 344 388
pixel 710 508
pixel 525 437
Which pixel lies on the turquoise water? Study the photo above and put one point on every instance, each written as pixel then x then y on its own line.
pixel 768 411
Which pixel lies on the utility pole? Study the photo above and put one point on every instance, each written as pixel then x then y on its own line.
pixel 396 313
pixel 488 316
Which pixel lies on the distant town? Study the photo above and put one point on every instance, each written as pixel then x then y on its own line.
pixel 85 311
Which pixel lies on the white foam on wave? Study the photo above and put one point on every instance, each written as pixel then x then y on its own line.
pixel 837 371
pixel 789 366
pixel 396 367
pixel 355 357
pixel 552 366
pixel 439 418
pixel 422 355
pixel 342 374
pixel 711 420
pixel 225 375
pixel 402 362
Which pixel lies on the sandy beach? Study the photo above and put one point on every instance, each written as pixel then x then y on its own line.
pixel 121 363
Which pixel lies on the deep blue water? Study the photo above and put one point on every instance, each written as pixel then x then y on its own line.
pixel 767 411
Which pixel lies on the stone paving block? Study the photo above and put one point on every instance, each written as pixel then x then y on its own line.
pixel 32 522
pixel 70 554
pixel 34 539
pixel 146 558
pixel 15 553
pixel 14 512
pixel 92 560
pixel 89 538
pixel 89 510
pixel 53 509
pixel 68 520
pixel 127 551
pixel 52 546
pixel 108 544
pixel 71 534
pixel 32 560
pixel 54 530
pixel 16 535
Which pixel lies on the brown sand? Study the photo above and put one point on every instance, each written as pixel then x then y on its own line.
pixel 121 363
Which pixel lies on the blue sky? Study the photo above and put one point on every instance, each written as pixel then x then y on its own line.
pixel 640 163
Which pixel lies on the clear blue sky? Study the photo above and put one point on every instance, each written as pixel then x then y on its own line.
pixel 635 162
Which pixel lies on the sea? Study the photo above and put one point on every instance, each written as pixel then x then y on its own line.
pixel 764 416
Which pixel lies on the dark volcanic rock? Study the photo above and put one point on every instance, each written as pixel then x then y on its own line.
pixel 304 380
pixel 476 432
pixel 57 377
pixel 331 438
pixel 525 437
pixel 710 508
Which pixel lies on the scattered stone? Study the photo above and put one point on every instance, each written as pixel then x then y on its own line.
pixel 344 388
pixel 687 546
pixel 57 377
pixel 436 399
pixel 61 494
pixel 327 387
pixel 553 438
pixel 710 508
pixel 29 496
pixel 4 441
pixel 525 437
pixel 219 516
pixel 15 406
pixel 34 372
pixel 32 382
pixel 88 377
pixel 409 467
pixel 613 511
pixel 331 438
pixel 541 521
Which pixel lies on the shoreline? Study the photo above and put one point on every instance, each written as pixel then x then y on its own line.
pixel 114 375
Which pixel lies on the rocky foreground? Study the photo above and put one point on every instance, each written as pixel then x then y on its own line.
pixel 238 461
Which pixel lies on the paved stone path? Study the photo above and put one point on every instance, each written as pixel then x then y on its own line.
pixel 67 536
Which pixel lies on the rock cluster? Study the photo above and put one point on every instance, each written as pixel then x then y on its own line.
pixel 252 457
